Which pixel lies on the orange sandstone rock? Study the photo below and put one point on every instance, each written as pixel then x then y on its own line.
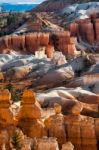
pixel 81 132
pixel 55 125
pixel 29 115
pixel 74 29
pixel 18 42
pixel 97 30
pixel 49 51
pixel 6 116
pixel 67 146
pixel 47 144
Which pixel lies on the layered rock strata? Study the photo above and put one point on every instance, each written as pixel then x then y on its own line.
pixel 29 116
pixel 56 120
pixel 47 143
pixel 86 29
pixel 30 43
pixel 6 115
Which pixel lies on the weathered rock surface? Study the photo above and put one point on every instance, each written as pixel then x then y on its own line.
pixel 56 120
pixel 87 82
pixel 79 129
pixel 87 30
pixel 6 115
pixel 30 43
pixel 70 98
pixel 67 146
pixel 83 21
pixel 47 143
pixel 29 116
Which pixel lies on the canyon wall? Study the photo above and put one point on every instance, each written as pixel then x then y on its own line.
pixel 30 43
pixel 86 29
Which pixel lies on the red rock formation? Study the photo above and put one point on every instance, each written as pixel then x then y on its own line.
pixel 87 29
pixel 97 30
pixel 63 42
pixel 49 51
pixel 88 135
pixel 67 146
pixel 54 121
pixel 47 144
pixel 30 43
pixel 34 40
pixel 97 128
pixel 29 116
pixel 6 115
pixel 69 50
pixel 18 42
pixel 74 29
pixel 81 132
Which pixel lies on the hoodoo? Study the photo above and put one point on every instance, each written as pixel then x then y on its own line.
pixel 49 76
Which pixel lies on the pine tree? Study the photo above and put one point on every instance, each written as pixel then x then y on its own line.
pixel 17 140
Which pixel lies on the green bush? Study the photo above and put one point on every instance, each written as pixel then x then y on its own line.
pixel 15 94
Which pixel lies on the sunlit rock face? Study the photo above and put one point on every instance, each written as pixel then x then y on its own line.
pixel 6 116
pixel 67 146
pixel 84 130
pixel 86 29
pixel 30 43
pixel 47 143
pixel 50 51
pixel 64 42
pixel 29 116
pixel 56 120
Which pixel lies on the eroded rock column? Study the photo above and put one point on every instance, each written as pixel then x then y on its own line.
pixel 6 119
pixel 80 130
pixel 55 125
pixel 6 115
pixel 29 116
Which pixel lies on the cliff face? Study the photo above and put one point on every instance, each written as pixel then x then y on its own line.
pixel 30 43
pixel 87 30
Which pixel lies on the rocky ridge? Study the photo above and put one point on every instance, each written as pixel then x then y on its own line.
pixel 56 5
